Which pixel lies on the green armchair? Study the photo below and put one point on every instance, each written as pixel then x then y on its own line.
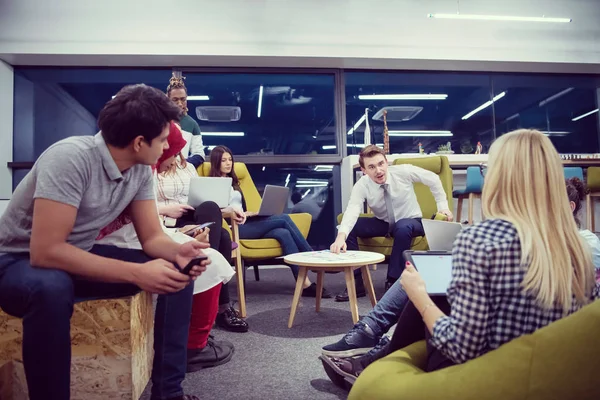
pixel 559 361
pixel 440 166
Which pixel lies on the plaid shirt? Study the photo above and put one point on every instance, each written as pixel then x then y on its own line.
pixel 489 307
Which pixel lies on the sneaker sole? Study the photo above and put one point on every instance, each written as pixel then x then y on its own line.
pixel 336 375
pixel 198 366
pixel 346 353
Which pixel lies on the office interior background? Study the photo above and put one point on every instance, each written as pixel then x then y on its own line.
pixel 291 80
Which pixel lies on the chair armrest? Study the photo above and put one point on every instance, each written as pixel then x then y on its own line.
pixel 340 216
pixel 303 222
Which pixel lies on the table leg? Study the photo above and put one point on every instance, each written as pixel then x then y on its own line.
pixel 319 290
pixel 299 287
pixel 350 285
pixel 368 284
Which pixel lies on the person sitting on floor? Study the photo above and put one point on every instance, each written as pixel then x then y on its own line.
pixel 390 194
pixel 49 260
pixel 173 187
pixel 278 227
pixel 368 334
pixel 481 254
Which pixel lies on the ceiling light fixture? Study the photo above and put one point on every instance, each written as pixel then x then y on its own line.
pixel 356 125
pixel 260 95
pixel 585 115
pixel 305 193
pixel 484 105
pixel 287 180
pixel 419 133
pixel 555 96
pixel 310 185
pixel 222 133
pixel 198 98
pixel 483 17
pixel 402 96
pixel 324 168
pixel 360 146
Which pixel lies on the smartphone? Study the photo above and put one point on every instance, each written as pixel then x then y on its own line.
pixel 192 231
pixel 192 263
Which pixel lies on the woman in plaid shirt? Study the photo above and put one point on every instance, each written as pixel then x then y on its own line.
pixel 523 268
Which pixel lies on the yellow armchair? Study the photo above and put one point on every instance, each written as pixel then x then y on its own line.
pixel 560 361
pixel 254 250
pixel 440 166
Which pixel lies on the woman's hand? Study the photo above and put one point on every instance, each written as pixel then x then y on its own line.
pixel 413 284
pixel 174 210
pixel 202 235
pixel 250 213
pixel 239 216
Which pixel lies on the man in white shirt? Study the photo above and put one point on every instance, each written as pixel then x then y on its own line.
pixel 399 217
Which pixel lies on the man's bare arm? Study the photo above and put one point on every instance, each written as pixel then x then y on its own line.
pixel 52 224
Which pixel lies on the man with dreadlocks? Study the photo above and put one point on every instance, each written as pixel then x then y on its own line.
pixel 177 92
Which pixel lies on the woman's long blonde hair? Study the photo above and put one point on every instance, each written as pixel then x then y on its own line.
pixel 525 185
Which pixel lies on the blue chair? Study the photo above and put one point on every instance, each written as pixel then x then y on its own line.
pixel 472 191
pixel 573 172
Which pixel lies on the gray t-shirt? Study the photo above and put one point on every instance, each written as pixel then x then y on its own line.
pixel 78 171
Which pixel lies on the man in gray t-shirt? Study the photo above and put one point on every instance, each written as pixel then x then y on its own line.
pixel 48 260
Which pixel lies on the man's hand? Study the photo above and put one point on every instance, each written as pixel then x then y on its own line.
pixel 339 244
pixel 160 276
pixel 448 214
pixel 175 210
pixel 187 252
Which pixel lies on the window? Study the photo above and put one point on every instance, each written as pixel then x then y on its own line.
pixel 564 108
pixel 264 114
pixel 311 187
pixel 430 109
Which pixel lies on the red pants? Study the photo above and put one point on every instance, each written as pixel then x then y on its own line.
pixel 204 312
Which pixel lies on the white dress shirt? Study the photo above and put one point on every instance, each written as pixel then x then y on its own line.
pixel 404 200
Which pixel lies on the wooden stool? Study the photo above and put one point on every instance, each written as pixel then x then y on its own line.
pixel 112 349
pixel 322 261
pixel 593 185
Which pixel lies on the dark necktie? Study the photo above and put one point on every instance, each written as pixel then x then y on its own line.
pixel 389 208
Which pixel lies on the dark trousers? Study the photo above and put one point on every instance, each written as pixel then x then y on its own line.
pixel 403 233
pixel 411 329
pixel 218 237
pixel 44 299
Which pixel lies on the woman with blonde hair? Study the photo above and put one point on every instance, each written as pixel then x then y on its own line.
pixel 521 269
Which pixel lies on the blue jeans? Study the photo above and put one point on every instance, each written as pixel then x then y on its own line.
pixel 278 227
pixel 387 310
pixel 403 233
pixel 44 299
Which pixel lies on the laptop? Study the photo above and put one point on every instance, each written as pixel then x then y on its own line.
pixel 435 268
pixel 440 234
pixel 203 188
pixel 273 201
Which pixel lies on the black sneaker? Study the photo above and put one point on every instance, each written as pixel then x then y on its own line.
pixel 344 371
pixel 311 291
pixel 354 343
pixel 216 352
pixel 360 292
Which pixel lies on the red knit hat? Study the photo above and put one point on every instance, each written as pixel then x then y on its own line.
pixel 176 144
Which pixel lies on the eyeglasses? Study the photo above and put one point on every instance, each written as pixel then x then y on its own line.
pixel 483 169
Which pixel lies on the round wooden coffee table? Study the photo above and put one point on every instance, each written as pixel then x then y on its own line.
pixel 323 261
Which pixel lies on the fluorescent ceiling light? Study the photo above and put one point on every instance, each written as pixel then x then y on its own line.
pixel 211 147
pixel 585 115
pixel 511 117
pixel 484 105
pixel 304 181
pixel 330 147
pixel 264 168
pixel 324 168
pixel 555 133
pixel 420 133
pixel 356 125
pixel 310 185
pixel 222 133
pixel 402 96
pixel 198 98
pixel 498 18
pixel 305 193
pixel 554 96
pixel 287 180
pixel 260 94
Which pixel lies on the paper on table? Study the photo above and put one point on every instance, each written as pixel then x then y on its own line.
pixel 326 255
